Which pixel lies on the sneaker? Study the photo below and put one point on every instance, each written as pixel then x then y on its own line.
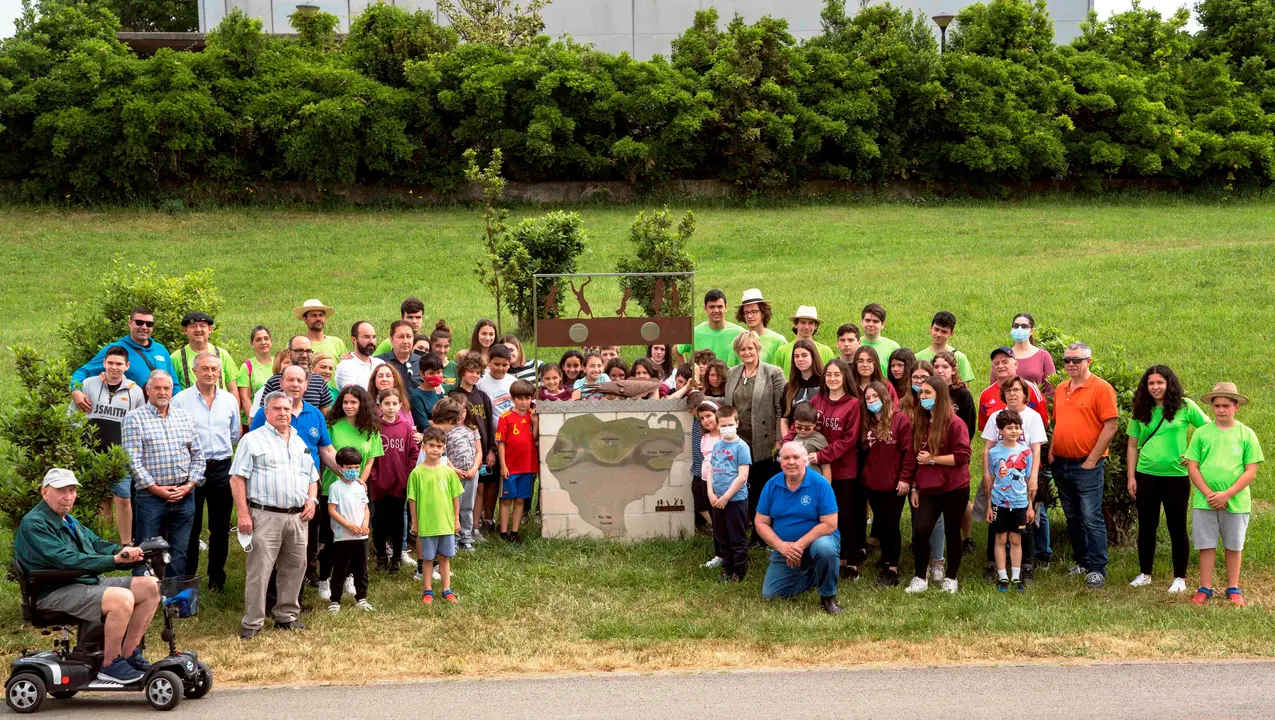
pixel 247 634
pixel 1142 580
pixel 203 545
pixel 1177 586
pixel 888 578
pixel 727 578
pixel 293 626
pixel 364 605
pixel 119 671
pixel 1077 570
pixel 1095 581
pixel 418 576
pixel 1002 586
pixel 334 608
pixel 1235 596
pixel 948 585
pixel 467 547
pixel 1202 595
pixel 450 596
pixel 850 573
pixel 405 558
pixel 348 587
pixel 476 536
pixel 967 546
pixel 937 572
pixel 325 589
pixel 1029 576
pixel 437 575
pixel 1019 586
pixel 714 563
pixel 989 572
pixel 918 585
pixel 427 597
pixel 139 663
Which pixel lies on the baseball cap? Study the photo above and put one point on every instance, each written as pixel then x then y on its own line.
pixel 197 316
pixel 59 478
pixel 1002 351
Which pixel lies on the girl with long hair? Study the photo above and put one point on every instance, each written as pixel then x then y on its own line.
pixel 805 378
pixel 867 366
pixel 887 435
pixel 384 376
pixel 941 483
pixel 899 371
pixel 572 364
pixel 483 337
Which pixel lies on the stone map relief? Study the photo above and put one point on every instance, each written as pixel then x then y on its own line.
pixel 613 472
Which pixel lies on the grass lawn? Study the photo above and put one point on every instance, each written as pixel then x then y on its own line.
pixel 1175 282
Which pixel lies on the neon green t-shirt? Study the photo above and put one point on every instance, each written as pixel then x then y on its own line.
pixel 434 490
pixel 962 363
pixel 345 435
pixel 771 341
pixel 1222 455
pixel 384 347
pixel 721 342
pixel 783 355
pixel 333 346
pixel 255 377
pixel 184 365
pixel 884 346
pixel 1161 453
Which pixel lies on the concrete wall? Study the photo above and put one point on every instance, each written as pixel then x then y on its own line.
pixel 640 27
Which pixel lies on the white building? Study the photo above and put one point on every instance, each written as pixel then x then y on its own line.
pixel 640 27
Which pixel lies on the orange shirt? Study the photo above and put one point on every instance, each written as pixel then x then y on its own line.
pixel 1079 414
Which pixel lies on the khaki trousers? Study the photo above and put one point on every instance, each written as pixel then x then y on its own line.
pixel 278 544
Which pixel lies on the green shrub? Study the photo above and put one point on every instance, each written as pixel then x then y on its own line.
pixel 549 244
pixel 658 248
pixel 385 37
pixel 103 318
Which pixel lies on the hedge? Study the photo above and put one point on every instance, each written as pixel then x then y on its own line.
pixel 871 100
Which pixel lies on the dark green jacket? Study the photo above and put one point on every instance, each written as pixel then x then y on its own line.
pixel 44 542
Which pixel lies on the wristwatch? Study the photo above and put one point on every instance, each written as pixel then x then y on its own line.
pixel 931 461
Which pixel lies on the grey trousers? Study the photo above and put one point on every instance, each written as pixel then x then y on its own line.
pixel 467 509
pixel 278 544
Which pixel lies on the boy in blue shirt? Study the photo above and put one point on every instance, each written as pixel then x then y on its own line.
pixel 1008 510
pixel 728 495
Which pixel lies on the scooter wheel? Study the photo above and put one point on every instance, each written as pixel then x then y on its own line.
pixel 203 682
pixel 164 690
pixel 24 692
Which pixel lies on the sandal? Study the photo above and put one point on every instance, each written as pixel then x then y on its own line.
pixel 1202 596
pixel 1235 596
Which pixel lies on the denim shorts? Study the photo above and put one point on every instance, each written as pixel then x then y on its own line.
pixel 518 486
pixel 123 488
pixel 437 545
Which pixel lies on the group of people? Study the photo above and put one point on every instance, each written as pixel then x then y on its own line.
pixel 320 450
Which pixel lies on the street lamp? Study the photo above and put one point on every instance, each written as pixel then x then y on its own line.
pixel 943 19
pixel 307 10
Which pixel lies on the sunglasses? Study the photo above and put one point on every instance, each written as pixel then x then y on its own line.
pixel 1021 326
pixel 1074 360
pixel 144 323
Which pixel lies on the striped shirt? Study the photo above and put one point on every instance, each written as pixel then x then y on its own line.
pixel 218 426
pixel 278 471
pixel 317 392
pixel 162 450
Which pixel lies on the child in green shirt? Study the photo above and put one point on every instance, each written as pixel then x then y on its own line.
pixel 1222 462
pixel 433 501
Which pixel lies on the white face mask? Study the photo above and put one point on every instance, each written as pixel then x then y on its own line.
pixel 245 541
pixel 728 432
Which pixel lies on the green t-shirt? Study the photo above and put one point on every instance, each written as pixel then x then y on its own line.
pixel 1222 455
pixel 449 375
pixel 721 342
pixel 771 341
pixel 783 355
pixel 884 346
pixel 256 377
pixel 184 365
pixel 434 490
pixel 1162 453
pixel 333 346
pixel 345 435
pixel 384 347
pixel 962 363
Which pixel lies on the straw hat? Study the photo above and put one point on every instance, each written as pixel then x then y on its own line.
pixel 805 312
pixel 751 295
pixel 309 305
pixel 1226 390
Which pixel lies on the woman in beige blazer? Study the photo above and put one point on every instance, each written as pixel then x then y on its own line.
pixel 756 390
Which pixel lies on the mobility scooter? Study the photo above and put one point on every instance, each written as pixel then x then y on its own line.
pixel 67 670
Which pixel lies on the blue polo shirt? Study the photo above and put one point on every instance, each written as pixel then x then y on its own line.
pixel 793 514
pixel 310 425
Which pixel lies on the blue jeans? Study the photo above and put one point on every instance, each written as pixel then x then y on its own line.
pixel 1080 492
pixel 153 516
pixel 818 569
pixel 1043 548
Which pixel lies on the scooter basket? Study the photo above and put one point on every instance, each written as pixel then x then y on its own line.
pixel 181 593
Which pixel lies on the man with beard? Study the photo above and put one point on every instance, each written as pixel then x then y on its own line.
pixel 316 388
pixel 315 316
pixel 356 369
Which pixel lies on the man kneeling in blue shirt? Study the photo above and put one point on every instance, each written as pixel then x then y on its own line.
pixel 797 518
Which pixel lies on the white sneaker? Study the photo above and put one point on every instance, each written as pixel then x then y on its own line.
pixel 715 562
pixel 325 590
pixel 1144 579
pixel 334 608
pixel 203 545
pixel 918 585
pixel 364 605
pixel 406 558
pixel 948 585
pixel 348 587
pixel 937 572
pixel 418 576
pixel 1078 570
pixel 1178 586
pixel 438 575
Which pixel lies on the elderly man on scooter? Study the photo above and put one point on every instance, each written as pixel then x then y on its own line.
pixel 50 539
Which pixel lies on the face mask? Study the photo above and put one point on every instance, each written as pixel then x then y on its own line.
pixel 351 474
pixel 434 380
pixel 916 388
pixel 927 403
pixel 1020 334
pixel 729 432
pixel 875 407
pixel 245 541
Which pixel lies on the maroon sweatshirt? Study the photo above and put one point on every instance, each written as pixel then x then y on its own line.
pixel 887 462
pixel 390 471
pixel 839 423
pixel 934 479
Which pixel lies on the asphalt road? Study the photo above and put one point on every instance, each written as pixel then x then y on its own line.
pixel 1017 692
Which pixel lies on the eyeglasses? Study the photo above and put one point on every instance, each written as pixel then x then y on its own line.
pixel 1021 326
pixel 302 352
pixel 804 428
pixel 144 323
pixel 1074 360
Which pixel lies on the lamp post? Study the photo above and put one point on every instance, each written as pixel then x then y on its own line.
pixel 943 19
pixel 307 10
